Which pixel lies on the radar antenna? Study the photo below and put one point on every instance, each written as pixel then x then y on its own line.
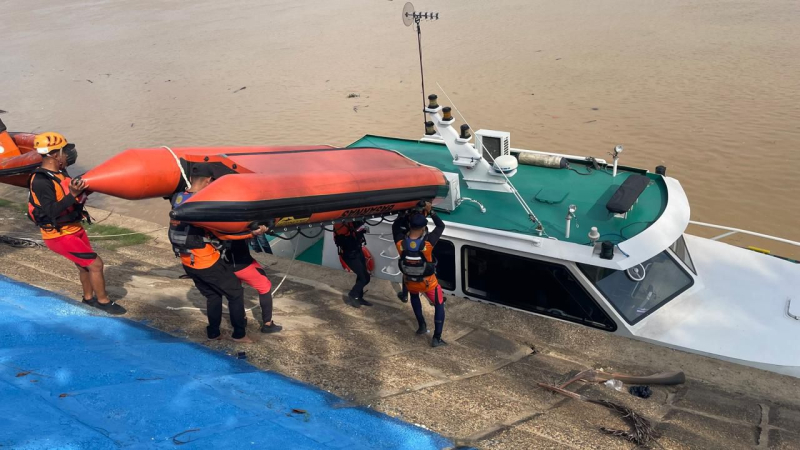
pixel 411 16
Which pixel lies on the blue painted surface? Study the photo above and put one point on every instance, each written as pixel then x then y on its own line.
pixel 73 380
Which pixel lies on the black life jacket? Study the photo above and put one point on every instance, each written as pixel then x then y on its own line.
pixel 185 237
pixel 73 214
pixel 416 262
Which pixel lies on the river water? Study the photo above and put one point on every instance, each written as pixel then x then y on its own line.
pixel 708 88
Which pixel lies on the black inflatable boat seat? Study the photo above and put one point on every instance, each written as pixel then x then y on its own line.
pixel 627 194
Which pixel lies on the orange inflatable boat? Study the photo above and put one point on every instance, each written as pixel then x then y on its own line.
pixel 282 187
pixel 18 158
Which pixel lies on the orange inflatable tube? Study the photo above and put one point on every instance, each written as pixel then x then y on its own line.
pixel 302 187
pixel 283 187
pixel 8 148
pixel 17 165
pixel 140 173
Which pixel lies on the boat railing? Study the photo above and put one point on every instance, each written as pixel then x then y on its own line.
pixel 729 231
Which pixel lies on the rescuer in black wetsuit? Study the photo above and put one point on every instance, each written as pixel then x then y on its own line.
pixel 349 238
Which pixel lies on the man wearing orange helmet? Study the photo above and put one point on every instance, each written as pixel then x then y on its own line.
pixel 55 204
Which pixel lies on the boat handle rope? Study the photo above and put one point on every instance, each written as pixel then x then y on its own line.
pixel 788 304
pixel 180 166
pixel 386 271
pixel 384 255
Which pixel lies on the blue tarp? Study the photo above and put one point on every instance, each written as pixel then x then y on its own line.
pixel 71 379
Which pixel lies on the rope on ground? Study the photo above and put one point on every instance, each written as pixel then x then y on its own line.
pixel 294 255
pixel 104 218
pixel 101 236
pixel 9 239
pixel 21 242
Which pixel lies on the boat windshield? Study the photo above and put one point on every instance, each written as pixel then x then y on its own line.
pixel 642 289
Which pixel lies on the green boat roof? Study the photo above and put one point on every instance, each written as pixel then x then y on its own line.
pixel 548 192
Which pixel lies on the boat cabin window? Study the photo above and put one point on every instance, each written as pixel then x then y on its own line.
pixel 682 252
pixel 530 285
pixel 445 253
pixel 643 288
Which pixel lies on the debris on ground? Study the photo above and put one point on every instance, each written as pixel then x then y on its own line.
pixel 641 431
pixel 176 441
pixel 641 391
pixel 353 95
pixel 240 89
pixel 20 242
pixel 594 376
pixel 614 384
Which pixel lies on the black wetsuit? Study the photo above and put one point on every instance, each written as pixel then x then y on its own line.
pixel 350 247
pixel 241 259
pixel 400 229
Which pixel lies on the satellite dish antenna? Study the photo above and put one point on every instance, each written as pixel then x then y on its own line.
pixel 408 14
pixel 411 16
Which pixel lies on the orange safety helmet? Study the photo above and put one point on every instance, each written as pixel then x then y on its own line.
pixel 48 142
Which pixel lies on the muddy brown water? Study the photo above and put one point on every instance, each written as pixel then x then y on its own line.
pixel 708 88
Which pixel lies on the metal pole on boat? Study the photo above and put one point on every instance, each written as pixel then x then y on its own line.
pixel 421 72
pixel 410 16
pixel 570 215
pixel 617 151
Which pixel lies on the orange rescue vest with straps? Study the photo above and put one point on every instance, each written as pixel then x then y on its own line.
pixel 194 245
pixel 68 222
pixel 417 263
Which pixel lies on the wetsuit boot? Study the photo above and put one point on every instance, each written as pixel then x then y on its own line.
pixel 417 307
pixel 438 321
pixel 265 301
pixel 403 295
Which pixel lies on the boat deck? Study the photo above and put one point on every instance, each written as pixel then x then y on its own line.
pixel 563 187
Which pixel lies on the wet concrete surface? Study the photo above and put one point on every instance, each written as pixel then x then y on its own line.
pixel 481 390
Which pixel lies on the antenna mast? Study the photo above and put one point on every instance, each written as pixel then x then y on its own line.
pixel 410 16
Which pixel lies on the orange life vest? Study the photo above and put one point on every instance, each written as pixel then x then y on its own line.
pixel 68 222
pixel 417 264
pixel 194 245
